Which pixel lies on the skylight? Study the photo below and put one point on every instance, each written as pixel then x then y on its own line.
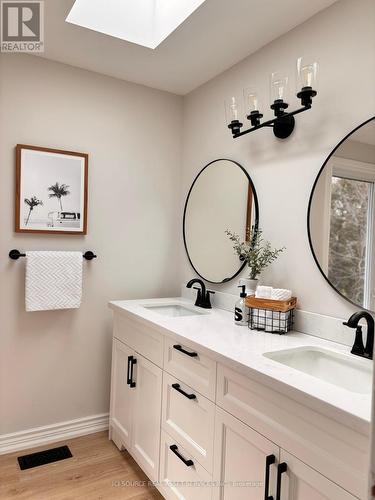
pixel 144 22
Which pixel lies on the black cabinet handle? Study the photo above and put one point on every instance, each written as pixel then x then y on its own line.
pixel 128 379
pixel 281 468
pixel 178 389
pixel 131 362
pixel 270 459
pixel 181 349
pixel 174 448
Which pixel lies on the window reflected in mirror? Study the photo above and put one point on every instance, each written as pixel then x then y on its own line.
pixel 341 217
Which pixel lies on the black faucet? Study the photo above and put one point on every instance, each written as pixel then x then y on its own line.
pixel 358 348
pixel 203 295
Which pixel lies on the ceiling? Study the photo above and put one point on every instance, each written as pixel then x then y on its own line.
pixel 216 36
pixel 365 134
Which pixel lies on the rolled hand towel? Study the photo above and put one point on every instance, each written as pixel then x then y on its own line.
pixel 281 294
pixel 271 322
pixel 277 322
pixel 257 319
pixel 263 292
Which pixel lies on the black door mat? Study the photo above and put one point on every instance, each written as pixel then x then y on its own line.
pixel 44 457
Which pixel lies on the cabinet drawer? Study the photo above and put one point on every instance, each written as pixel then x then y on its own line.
pixel 190 366
pixel 335 450
pixel 189 418
pixel 143 339
pixel 178 479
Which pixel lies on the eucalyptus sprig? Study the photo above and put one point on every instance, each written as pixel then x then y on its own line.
pixel 257 252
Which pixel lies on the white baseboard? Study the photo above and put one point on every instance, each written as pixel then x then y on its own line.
pixel 53 433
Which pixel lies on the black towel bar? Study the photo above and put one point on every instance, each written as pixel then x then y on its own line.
pixel 16 254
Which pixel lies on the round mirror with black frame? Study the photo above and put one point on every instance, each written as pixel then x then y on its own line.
pixel 341 217
pixel 222 197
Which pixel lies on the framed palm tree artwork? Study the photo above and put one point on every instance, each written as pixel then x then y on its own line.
pixel 51 190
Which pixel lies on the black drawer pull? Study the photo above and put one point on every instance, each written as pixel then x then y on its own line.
pixel 128 379
pixel 174 448
pixel 181 349
pixel 281 468
pixel 131 362
pixel 178 389
pixel 271 459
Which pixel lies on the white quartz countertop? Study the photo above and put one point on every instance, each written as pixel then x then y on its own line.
pixel 237 346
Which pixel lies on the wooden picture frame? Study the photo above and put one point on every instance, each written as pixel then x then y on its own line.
pixel 45 179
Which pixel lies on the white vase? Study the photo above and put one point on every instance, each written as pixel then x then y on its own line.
pixel 251 285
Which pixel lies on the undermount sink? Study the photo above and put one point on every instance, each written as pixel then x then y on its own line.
pixel 346 371
pixel 173 310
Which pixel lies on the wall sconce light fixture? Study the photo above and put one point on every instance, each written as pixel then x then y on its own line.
pixel 284 122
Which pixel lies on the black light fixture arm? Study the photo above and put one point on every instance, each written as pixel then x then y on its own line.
pixel 271 123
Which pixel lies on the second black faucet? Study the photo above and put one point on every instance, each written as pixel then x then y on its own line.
pixel 358 348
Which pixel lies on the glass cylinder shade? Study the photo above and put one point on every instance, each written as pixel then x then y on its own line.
pixel 251 100
pixel 279 87
pixel 232 109
pixel 307 73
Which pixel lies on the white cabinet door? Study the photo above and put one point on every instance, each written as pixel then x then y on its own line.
pixel 300 482
pixel 147 378
pixel 240 456
pixel 122 395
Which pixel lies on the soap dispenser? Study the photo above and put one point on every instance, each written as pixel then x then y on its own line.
pixel 240 314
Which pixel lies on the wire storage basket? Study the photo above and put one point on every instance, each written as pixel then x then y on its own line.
pixel 274 316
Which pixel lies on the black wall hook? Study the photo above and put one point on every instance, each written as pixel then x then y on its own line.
pixel 16 254
pixel 89 255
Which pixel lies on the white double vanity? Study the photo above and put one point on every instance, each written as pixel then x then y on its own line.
pixel 210 410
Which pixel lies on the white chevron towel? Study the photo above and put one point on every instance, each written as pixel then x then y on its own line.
pixel 53 280
pixel 281 294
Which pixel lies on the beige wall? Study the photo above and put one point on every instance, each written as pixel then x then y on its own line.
pixel 342 38
pixel 55 366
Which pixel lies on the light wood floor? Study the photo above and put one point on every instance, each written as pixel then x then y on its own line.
pixel 95 472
